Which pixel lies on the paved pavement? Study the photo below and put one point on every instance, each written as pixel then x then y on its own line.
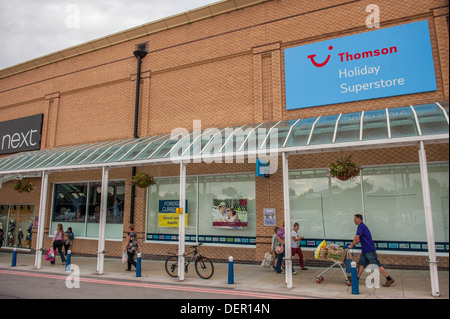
pixel 409 284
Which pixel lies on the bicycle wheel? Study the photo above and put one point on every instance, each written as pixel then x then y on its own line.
pixel 172 266
pixel 204 267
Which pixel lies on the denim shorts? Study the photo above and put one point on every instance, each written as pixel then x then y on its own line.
pixel 369 258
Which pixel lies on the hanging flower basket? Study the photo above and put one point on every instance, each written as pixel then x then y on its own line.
pixel 344 169
pixel 142 180
pixel 23 186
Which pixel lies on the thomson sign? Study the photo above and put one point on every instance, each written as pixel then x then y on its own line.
pixel 21 135
pixel 370 65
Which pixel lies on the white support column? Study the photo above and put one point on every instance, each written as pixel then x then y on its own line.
pixel 287 223
pixel 182 222
pixel 429 222
pixel 102 222
pixel 41 222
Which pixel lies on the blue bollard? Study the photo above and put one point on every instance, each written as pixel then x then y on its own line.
pixel 355 284
pixel 138 265
pixel 230 271
pixel 14 258
pixel 68 260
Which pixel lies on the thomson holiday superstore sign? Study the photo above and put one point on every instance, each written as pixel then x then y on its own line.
pixel 370 65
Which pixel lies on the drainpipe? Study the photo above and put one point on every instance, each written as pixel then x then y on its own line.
pixel 140 53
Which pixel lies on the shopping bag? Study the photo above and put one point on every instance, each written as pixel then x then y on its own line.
pixel 317 251
pixel 323 253
pixel 348 266
pixel 124 257
pixel 336 254
pixel 50 255
pixel 267 261
pixel 279 250
pixel 348 262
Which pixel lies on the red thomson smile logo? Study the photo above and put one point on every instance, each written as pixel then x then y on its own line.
pixel 319 65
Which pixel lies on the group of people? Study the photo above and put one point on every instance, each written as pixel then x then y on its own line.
pixel 65 239
pixel 279 246
pixel 363 237
pixel 62 239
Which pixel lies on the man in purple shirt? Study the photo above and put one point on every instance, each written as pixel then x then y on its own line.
pixel 368 253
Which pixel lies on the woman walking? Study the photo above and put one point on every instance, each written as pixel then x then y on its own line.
pixel 58 242
pixel 68 240
pixel 131 246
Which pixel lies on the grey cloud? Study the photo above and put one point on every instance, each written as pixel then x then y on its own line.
pixel 30 28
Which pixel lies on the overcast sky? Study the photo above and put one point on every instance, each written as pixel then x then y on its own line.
pixel 33 28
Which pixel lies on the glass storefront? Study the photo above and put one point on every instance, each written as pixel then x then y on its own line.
pixel 77 205
pixel 220 209
pixel 17 222
pixel 324 207
pixel 389 198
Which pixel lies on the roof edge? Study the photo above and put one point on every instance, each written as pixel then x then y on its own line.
pixel 177 20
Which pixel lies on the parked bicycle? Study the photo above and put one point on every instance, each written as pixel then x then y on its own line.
pixel 203 266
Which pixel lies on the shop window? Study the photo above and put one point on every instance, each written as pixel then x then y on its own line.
pixel 227 209
pixel 324 207
pixel 16 225
pixel 162 220
pixel 390 199
pixel 394 203
pixel 77 205
pixel 206 221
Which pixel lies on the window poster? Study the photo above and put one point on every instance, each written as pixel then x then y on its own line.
pixel 230 213
pixel 269 217
pixel 168 216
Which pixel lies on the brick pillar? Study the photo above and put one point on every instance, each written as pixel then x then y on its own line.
pixel 441 25
pixel 267 82
pixel 50 120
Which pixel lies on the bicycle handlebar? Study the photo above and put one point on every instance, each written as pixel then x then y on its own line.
pixel 195 246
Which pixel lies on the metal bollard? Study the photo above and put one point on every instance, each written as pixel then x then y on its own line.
pixel 355 284
pixel 68 260
pixel 14 258
pixel 230 271
pixel 138 265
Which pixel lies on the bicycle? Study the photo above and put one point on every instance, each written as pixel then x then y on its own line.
pixel 203 266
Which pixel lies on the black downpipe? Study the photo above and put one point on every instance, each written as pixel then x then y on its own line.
pixel 139 54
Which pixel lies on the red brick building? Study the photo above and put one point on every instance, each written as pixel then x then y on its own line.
pixel 224 65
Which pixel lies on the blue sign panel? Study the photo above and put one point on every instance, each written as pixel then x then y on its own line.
pixel 262 168
pixel 370 65
pixel 170 206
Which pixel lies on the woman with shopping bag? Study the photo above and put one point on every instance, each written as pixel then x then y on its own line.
pixel 57 242
pixel 131 247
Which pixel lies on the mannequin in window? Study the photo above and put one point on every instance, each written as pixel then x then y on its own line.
pixel 19 237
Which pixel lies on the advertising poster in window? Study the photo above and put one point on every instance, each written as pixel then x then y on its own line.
pixel 269 217
pixel 230 213
pixel 168 216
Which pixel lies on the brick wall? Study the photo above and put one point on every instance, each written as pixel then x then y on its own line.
pixel 225 71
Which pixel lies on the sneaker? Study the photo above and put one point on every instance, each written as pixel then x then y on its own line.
pixel 389 282
pixel 294 272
